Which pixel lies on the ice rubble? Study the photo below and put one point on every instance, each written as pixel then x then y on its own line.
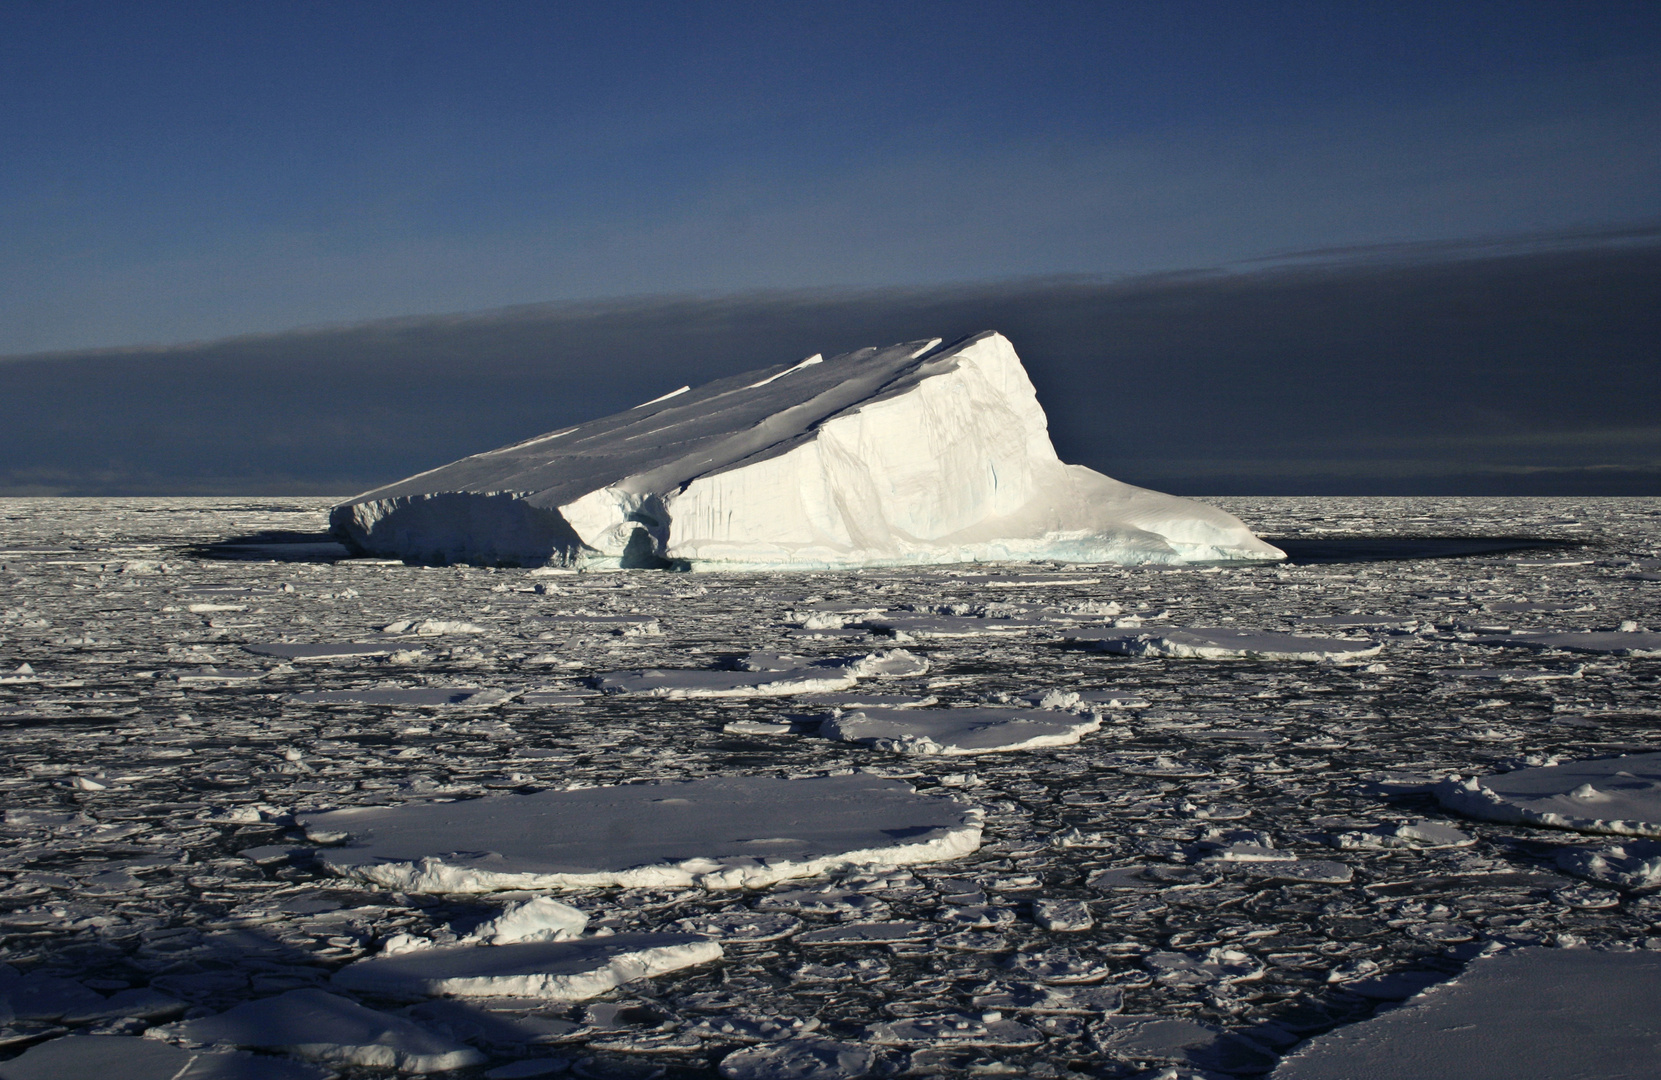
pixel 915 453
pixel 1619 796
pixel 1524 1014
pixel 765 675
pixel 547 970
pixel 327 1028
pixel 726 832
pixel 952 732
pixel 799 1059
pixel 1221 643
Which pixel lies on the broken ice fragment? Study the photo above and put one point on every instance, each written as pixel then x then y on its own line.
pixel 1166 1040
pixel 1635 864
pixel 324 1027
pixel 955 1029
pixel 1062 915
pixel 725 832
pixel 956 732
pixel 1221 643
pixel 1619 796
pixel 540 918
pixel 412 697
pixel 882 933
pixel 549 970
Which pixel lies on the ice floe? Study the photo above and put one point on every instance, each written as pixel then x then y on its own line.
pixel 1221 643
pixel 338 650
pixel 957 732
pixel 800 1059
pixel 407 697
pixel 915 453
pixel 765 675
pixel 727 832
pixel 1619 796
pixel 1523 1014
pixel 326 1028
pixel 86 1057
pixel 1611 642
pixel 547 970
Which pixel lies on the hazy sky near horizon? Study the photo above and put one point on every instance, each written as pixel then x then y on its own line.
pixel 178 170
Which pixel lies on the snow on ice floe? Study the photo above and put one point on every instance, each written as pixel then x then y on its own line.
pixel 1523 1014
pixel 326 1028
pixel 764 675
pixel 1221 643
pixel 954 732
pixel 726 832
pixel 1179 1042
pixel 119 1057
pixel 915 453
pixel 1641 643
pixel 1619 796
pixel 407 697
pixel 547 970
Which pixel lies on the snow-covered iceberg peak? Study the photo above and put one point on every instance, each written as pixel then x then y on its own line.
pixel 914 453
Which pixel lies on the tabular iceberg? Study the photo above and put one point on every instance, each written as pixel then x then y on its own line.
pixel 915 453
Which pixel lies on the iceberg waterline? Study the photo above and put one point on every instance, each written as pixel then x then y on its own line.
pixel 918 453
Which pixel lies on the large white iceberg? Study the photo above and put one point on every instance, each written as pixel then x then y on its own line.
pixel 915 453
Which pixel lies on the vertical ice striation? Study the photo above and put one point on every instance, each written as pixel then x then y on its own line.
pixel 914 453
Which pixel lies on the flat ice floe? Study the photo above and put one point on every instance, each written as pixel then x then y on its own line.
pixel 764 675
pixel 915 453
pixel 799 1059
pixel 1641 643
pixel 333 650
pixel 1221 643
pixel 953 732
pixel 1620 796
pixel 407 697
pixel 120 1057
pixel 327 1028
pixel 547 970
pixel 722 833
pixel 1524 1014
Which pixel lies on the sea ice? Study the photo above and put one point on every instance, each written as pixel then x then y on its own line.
pixel 407 697
pixel 1523 1014
pixel 548 970
pixel 339 650
pixel 1221 643
pixel 915 453
pixel 956 732
pixel 324 1027
pixel 1176 1041
pixel 85 1057
pixel 1634 864
pixel 1620 796
pixel 726 832
pixel 1613 642
pixel 765 675
pixel 799 1059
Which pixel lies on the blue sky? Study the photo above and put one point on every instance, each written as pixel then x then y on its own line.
pixel 178 171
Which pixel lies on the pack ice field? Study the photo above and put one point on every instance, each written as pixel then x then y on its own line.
pixel 299 814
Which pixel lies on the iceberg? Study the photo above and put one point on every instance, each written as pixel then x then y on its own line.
pixel 918 453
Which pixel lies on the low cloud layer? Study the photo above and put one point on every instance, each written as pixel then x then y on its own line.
pixel 1463 372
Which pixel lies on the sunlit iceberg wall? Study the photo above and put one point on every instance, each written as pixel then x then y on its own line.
pixel 913 454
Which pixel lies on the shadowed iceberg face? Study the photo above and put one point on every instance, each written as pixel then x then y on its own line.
pixel 912 454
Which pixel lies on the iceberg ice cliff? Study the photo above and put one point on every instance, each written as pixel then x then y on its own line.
pixel 915 453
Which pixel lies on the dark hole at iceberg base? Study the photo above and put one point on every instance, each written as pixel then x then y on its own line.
pixel 1304 551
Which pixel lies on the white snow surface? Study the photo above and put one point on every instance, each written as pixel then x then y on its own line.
pixel 1524 1014
pixel 325 1027
pixel 548 970
pixel 1221 643
pixel 955 732
pixel 1619 796
pixel 914 453
pixel 718 833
